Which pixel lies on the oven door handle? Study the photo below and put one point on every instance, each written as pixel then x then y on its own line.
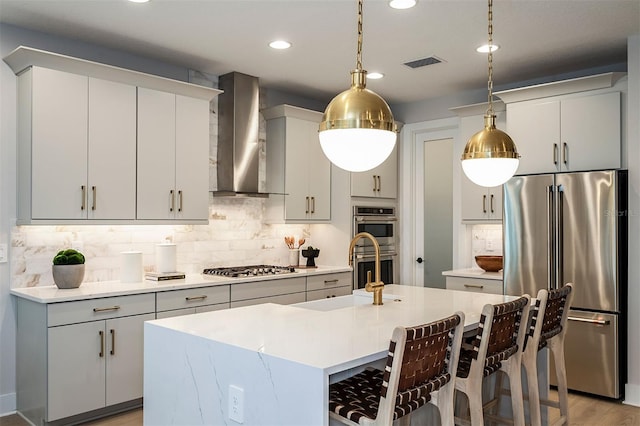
pixel 375 219
pixel 383 256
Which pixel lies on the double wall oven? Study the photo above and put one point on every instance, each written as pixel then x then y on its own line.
pixel 381 222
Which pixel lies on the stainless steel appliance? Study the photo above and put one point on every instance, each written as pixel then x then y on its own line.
pixel 249 271
pixel 572 228
pixel 381 222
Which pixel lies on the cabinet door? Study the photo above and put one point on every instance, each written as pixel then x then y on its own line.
pixel 156 198
pixel 534 126
pixel 111 150
pixel 319 172
pixel 123 351
pixel 591 132
pixel 379 182
pixel 475 201
pixel 59 145
pixel 298 202
pixel 495 203
pixel 76 369
pixel 192 158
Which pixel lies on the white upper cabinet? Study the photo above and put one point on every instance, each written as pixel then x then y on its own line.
pixel 379 182
pixel 298 172
pixel 173 156
pixel 74 131
pixel 577 131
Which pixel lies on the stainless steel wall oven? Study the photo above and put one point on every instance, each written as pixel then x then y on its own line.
pixel 381 222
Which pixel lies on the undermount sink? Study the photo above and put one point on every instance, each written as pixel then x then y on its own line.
pixel 342 302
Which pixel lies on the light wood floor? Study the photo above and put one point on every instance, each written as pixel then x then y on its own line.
pixel 583 411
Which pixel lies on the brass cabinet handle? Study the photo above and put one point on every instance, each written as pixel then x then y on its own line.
pixel 330 281
pixel 474 286
pixel 111 308
pixel 379 183
pixel 190 298
pixel 565 153
pixel 180 200
pixel 375 183
pixel 307 210
pixel 172 201
pixel 491 204
pixel 101 354
pixel 84 197
pixel 93 192
pixel 113 342
pixel 555 153
pixel 484 204
pixel 313 205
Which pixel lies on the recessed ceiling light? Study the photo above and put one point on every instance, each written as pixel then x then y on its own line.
pixel 485 48
pixel 280 44
pixel 375 75
pixel 138 1
pixel 402 4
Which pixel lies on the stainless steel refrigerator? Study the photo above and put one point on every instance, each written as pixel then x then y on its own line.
pixel 572 228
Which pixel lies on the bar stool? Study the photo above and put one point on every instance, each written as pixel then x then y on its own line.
pixel 547 330
pixel 497 346
pixel 420 367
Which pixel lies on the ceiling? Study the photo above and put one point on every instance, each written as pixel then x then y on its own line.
pixel 537 38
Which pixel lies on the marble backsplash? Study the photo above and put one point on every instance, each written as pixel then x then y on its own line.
pixel 485 240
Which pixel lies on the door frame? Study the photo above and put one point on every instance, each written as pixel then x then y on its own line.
pixel 411 195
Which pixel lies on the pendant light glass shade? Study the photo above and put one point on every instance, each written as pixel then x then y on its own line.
pixel 490 157
pixel 357 132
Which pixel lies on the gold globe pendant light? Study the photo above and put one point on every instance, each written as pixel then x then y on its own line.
pixel 490 158
pixel 357 132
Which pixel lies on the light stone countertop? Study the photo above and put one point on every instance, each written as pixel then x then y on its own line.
pixel 474 273
pixel 95 290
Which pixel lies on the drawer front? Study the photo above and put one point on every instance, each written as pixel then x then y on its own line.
pixel 100 309
pixel 319 282
pixel 175 313
pixel 259 289
pixel 475 285
pixel 284 299
pixel 328 293
pixel 191 297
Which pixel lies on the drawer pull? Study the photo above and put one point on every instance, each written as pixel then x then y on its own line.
pixel 590 321
pixel 101 354
pixel 93 192
pixel 84 197
pixel 113 342
pixel 330 281
pixel 474 286
pixel 189 299
pixel 112 308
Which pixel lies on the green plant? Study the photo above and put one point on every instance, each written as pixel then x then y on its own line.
pixel 68 257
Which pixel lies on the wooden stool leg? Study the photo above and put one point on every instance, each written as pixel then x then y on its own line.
pixel 445 404
pixel 515 383
pixel 475 405
pixel 557 348
pixel 531 371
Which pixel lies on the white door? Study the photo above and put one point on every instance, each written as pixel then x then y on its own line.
pixel 438 211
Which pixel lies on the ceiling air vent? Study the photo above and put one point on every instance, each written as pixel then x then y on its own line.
pixel 431 60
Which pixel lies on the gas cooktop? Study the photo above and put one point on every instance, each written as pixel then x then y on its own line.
pixel 249 271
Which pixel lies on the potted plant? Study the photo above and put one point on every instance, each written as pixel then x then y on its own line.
pixel 68 268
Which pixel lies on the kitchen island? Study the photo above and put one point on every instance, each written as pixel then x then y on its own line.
pixel 271 364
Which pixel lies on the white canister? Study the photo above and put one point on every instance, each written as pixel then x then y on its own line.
pixel 166 257
pixel 294 257
pixel 131 266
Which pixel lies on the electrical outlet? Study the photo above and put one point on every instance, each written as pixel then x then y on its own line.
pixel 489 245
pixel 236 404
pixel 3 253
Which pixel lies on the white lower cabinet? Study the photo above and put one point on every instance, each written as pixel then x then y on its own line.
pixel 477 285
pixel 81 356
pixel 191 301
pixel 284 291
pixel 329 285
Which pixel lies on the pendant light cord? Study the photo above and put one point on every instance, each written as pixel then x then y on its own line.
pixel 359 53
pixel 490 59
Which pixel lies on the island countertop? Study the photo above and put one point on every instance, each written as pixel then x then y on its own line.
pixel 277 353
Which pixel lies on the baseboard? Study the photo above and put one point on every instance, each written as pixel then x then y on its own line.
pixel 632 394
pixel 7 404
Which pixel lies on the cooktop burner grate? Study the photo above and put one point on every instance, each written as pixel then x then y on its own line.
pixel 249 271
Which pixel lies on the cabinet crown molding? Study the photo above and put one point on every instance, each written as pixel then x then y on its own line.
pixel 564 87
pixel 24 57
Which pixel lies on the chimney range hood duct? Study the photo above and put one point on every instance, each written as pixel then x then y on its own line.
pixel 238 125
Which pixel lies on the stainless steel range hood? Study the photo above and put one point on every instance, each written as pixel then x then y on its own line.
pixel 238 125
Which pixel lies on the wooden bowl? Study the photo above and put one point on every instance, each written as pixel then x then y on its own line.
pixel 489 263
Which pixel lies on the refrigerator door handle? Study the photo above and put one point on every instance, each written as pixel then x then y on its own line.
pixel 550 236
pixel 560 238
pixel 590 321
